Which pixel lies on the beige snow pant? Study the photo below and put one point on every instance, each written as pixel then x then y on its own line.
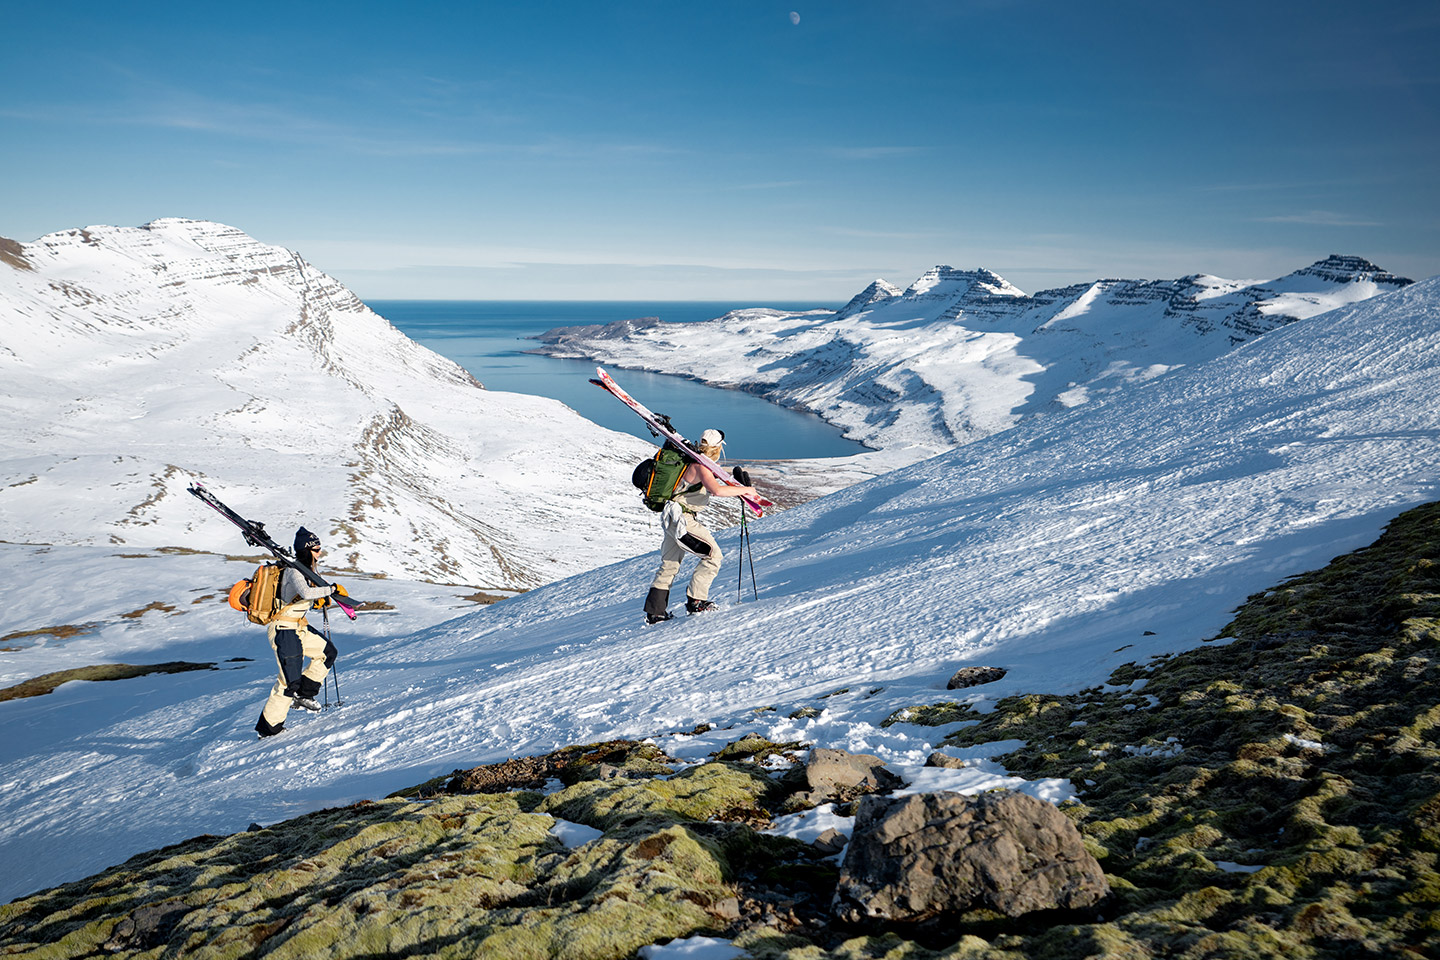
pixel 671 553
pixel 312 648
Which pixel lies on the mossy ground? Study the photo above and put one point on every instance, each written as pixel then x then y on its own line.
pixel 473 875
pixel 1274 794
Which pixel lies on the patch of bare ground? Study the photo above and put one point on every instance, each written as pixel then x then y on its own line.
pixel 132 516
pixel 46 683
pixel 155 605
pixel 13 254
pixel 63 632
pixel 480 596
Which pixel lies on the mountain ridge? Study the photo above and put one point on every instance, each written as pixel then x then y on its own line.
pixel 186 350
pixel 961 354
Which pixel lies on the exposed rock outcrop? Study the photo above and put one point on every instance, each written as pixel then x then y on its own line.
pixel 974 676
pixel 921 856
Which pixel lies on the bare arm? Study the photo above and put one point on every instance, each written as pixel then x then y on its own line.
pixel 698 473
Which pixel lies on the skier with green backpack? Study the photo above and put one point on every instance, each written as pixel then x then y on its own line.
pixel 679 488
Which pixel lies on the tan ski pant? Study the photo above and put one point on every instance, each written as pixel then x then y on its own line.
pixel 671 553
pixel 312 647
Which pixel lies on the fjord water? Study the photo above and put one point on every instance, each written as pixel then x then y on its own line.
pixel 490 338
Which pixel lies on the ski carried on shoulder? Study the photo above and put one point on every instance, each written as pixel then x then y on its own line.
pixel 256 536
pixel 661 428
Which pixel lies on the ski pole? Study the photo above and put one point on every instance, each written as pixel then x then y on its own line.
pixel 750 548
pixel 333 675
pixel 739 569
pixel 325 618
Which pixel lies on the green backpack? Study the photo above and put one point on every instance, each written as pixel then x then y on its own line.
pixel 659 477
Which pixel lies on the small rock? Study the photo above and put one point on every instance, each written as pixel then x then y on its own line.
pixel 727 908
pixel 830 842
pixel 938 759
pixel 149 926
pixel 974 676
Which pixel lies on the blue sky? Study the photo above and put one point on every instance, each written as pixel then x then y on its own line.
pixel 722 150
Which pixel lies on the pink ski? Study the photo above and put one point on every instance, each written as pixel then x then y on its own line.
pixel 757 505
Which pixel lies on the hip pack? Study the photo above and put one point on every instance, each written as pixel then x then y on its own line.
pixel 259 596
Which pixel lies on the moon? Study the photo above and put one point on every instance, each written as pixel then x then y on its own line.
pixel 795 18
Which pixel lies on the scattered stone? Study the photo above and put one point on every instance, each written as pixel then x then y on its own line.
pixel 149 926
pixel 838 776
pixel 611 758
pixel 917 857
pixel 830 842
pixel 755 748
pixel 938 759
pixel 726 908
pixel 974 676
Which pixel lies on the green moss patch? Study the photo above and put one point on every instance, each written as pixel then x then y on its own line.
pixel 931 714
pixel 711 791
pixel 463 876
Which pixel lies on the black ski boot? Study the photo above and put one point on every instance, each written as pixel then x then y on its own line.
pixel 265 730
pixel 693 606
pixel 655 603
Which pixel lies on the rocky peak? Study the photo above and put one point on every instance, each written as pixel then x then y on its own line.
pixel 1339 268
pixel 942 280
pixel 877 291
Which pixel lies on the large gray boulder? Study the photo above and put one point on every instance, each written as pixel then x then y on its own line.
pixel 917 857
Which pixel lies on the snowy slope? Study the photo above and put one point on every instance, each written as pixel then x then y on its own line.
pixel 135 360
pixel 963 354
pixel 1058 549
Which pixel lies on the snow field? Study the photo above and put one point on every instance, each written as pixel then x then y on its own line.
pixel 1058 550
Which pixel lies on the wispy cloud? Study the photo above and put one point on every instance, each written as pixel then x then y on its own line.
pixel 771 185
pixel 1320 218
pixel 883 234
pixel 872 153
pixel 147 103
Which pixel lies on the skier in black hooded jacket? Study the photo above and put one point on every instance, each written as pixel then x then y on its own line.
pixel 294 642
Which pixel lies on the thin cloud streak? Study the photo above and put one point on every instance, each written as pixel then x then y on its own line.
pixel 260 123
pixel 872 153
pixel 1320 218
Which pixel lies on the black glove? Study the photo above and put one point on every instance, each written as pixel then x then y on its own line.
pixel 331 653
pixel 740 474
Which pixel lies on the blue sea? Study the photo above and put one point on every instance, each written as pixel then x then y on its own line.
pixel 490 339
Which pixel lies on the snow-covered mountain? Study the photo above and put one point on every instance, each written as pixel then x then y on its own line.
pixel 134 360
pixel 960 354
pixel 1057 550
